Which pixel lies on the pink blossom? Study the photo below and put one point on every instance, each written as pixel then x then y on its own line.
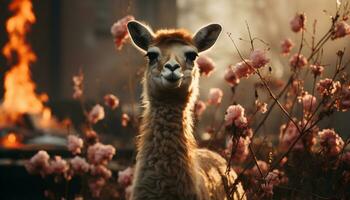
pixel 111 101
pixel 272 179
pixel 235 115
pixel 96 186
pixel 317 69
pixel 96 114
pixel 78 85
pixel 100 170
pixel 241 122
pixel 327 86
pixel 297 61
pixel 39 163
pixel 100 153
pixel 79 165
pixel 331 143
pixel 125 119
pixel 298 22
pixel 341 29
pixel 231 77
pixel 286 46
pixel 258 58
pixel 215 96
pixel 200 107
pixel 75 144
pixel 243 69
pixel 119 31
pixel 205 64
pixel 58 166
pixel 125 177
pixel 240 149
pixel 288 134
pixel 309 102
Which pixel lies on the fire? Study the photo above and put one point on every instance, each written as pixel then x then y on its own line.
pixel 20 96
pixel 11 140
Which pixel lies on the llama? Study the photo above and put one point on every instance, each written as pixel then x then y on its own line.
pixel 169 165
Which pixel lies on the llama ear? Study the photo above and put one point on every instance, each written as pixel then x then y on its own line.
pixel 206 36
pixel 140 34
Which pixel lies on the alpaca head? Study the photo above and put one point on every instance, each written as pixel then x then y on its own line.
pixel 171 74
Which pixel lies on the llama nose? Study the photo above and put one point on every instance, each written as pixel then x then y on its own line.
pixel 172 67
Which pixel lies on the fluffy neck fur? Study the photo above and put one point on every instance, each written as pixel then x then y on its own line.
pixel 166 146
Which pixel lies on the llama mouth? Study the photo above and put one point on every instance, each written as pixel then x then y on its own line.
pixel 171 81
pixel 172 78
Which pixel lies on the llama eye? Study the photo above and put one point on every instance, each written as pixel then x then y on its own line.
pixel 152 56
pixel 191 56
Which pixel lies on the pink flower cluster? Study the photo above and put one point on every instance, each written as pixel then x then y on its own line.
pixel 96 114
pixel 100 171
pixel 288 134
pixel 39 163
pixel 286 46
pixel 58 166
pixel 206 65
pixel 298 22
pixel 309 103
pixel 272 179
pixel 297 61
pixel 75 144
pixel 244 69
pixel 258 58
pixel 79 165
pixel 125 177
pixel 331 143
pixel 119 31
pixel 215 96
pixel 78 85
pixel 235 116
pixel 327 86
pixel 111 101
pixel 341 29
pixel 317 69
pixel 231 77
pixel 239 148
pixel 100 153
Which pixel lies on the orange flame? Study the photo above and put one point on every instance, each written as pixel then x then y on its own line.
pixel 11 141
pixel 20 96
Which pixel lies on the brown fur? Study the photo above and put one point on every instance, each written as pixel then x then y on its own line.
pixel 170 35
pixel 169 163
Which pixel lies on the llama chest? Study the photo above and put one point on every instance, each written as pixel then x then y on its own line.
pixel 164 179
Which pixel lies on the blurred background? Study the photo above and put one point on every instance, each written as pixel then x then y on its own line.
pixel 70 35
